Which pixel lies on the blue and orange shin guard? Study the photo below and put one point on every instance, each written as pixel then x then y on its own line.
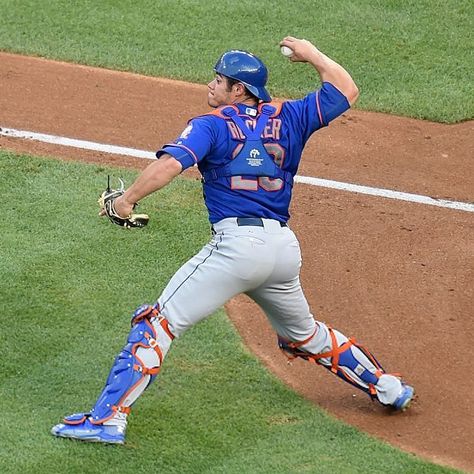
pixel 348 360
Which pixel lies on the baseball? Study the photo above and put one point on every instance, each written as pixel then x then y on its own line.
pixel 286 51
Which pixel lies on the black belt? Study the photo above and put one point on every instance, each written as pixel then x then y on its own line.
pixel 255 221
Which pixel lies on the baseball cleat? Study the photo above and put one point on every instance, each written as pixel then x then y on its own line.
pixel 404 399
pixel 86 431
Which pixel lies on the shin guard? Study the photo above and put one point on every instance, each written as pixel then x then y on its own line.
pixel 344 357
pixel 136 366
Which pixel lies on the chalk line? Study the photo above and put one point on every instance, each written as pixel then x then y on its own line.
pixel 324 183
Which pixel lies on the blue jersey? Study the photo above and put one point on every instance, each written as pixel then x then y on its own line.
pixel 212 140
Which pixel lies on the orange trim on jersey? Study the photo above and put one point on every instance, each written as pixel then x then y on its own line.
pixel 318 107
pixel 188 150
pixel 218 112
pixel 276 105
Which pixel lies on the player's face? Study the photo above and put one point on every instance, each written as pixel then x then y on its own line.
pixel 218 93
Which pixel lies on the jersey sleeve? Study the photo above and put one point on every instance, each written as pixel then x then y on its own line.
pixel 193 144
pixel 317 109
pixel 331 103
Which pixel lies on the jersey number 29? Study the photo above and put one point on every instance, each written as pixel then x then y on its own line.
pixel 277 152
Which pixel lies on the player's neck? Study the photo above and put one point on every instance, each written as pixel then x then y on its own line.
pixel 249 101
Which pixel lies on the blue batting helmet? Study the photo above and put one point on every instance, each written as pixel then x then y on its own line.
pixel 247 69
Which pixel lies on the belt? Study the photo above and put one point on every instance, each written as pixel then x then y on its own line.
pixel 254 221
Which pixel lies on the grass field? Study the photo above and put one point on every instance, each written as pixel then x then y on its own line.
pixel 71 281
pixel 410 58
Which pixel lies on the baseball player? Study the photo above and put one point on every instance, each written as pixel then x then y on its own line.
pixel 247 149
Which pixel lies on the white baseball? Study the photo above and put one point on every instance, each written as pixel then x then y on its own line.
pixel 286 51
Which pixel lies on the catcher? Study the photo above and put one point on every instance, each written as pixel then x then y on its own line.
pixel 247 149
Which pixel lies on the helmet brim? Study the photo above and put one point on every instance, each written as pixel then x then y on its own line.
pixel 259 92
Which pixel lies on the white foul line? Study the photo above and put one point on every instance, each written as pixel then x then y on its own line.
pixel 386 193
pixel 72 142
pixel 325 183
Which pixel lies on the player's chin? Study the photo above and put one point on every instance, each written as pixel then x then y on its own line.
pixel 212 102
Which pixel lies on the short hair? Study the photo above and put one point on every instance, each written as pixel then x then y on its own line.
pixel 231 81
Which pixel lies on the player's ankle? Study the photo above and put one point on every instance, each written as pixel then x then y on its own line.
pixel 119 419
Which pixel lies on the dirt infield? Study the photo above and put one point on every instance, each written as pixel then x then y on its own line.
pixel 397 276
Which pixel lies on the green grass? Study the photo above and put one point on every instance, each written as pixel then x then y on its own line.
pixel 69 284
pixel 409 57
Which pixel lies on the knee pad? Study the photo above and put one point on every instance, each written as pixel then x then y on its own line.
pixel 349 360
pixel 136 366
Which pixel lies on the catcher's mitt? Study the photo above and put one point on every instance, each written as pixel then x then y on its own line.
pixel 106 202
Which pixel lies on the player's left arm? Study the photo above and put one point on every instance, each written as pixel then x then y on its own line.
pixel 154 177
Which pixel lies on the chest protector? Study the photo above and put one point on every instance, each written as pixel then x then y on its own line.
pixel 253 159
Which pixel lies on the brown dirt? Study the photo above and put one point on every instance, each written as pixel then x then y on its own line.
pixel 398 276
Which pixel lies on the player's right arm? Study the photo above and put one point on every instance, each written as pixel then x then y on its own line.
pixel 328 69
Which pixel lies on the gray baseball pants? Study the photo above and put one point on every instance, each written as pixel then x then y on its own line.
pixel 262 261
